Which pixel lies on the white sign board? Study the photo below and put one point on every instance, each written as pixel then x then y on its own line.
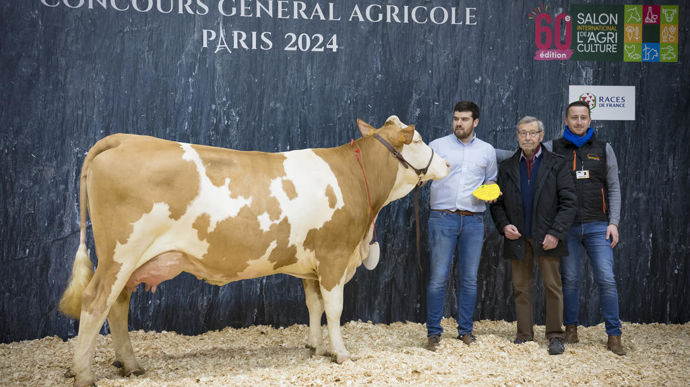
pixel 614 103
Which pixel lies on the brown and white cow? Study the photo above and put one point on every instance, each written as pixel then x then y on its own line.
pixel 159 208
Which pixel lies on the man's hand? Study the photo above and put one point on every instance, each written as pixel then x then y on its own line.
pixel 495 200
pixel 550 242
pixel 511 232
pixel 612 234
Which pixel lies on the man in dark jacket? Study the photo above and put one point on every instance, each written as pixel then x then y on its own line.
pixel 593 165
pixel 534 214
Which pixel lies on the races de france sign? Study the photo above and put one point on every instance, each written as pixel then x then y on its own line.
pixel 613 103
pixel 624 33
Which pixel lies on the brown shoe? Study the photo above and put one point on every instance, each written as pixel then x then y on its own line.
pixel 571 334
pixel 614 345
pixel 467 339
pixel 432 342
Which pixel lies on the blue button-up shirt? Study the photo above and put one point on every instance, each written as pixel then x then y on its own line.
pixel 471 165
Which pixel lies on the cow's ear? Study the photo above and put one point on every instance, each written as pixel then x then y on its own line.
pixel 407 134
pixel 364 128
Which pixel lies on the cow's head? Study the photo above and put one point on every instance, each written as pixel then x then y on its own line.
pixel 408 142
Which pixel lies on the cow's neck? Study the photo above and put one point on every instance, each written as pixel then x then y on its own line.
pixel 382 172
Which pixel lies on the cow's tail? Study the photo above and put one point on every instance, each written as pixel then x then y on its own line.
pixel 82 269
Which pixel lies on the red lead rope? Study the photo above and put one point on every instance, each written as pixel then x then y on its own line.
pixel 359 161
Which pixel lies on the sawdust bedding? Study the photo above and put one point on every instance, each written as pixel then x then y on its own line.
pixel 658 354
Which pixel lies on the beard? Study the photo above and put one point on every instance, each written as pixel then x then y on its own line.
pixel 462 133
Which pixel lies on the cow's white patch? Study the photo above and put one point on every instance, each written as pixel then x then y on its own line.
pixel 212 200
pixel 155 233
pixel 265 221
pixel 311 177
pixel 309 208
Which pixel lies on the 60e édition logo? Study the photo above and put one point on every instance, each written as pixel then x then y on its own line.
pixel 547 32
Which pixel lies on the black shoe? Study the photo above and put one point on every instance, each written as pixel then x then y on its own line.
pixel 556 346
pixel 467 338
pixel 432 342
pixel 519 340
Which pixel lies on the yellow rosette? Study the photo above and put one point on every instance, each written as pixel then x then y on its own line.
pixel 487 192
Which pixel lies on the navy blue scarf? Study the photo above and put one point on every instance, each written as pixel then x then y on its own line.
pixel 575 139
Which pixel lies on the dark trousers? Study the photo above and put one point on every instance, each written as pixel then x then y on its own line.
pixel 522 270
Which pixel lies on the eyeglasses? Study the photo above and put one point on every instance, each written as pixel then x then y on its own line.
pixel 525 134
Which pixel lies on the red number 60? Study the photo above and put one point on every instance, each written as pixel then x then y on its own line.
pixel 542 27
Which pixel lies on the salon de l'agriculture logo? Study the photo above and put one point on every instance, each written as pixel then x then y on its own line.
pixel 623 33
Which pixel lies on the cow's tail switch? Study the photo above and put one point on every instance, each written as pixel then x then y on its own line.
pixel 82 269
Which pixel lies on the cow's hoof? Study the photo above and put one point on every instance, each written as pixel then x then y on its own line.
pixel 318 350
pixel 84 382
pixel 118 364
pixel 69 373
pixel 135 371
pixel 341 358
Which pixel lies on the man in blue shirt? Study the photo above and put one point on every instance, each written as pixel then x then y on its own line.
pixel 456 221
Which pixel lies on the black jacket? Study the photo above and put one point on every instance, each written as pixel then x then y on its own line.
pixel 591 193
pixel 553 210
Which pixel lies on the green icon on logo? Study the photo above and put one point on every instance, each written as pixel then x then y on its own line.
pixel 632 52
pixel 668 52
pixel 633 14
pixel 669 14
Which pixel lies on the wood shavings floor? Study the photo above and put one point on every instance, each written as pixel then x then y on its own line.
pixel 658 354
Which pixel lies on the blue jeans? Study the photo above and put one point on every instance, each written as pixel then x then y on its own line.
pixel 591 236
pixel 448 233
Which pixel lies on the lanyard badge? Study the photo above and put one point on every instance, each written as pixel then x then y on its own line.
pixel 582 174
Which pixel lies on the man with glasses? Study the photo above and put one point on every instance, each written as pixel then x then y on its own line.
pixel 456 221
pixel 534 214
pixel 594 168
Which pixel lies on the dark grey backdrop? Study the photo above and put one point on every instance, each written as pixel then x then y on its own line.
pixel 71 76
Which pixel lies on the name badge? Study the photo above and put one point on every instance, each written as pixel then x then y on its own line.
pixel 582 174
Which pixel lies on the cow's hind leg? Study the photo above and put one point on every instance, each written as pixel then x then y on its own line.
pixel 333 303
pixel 312 294
pixel 117 320
pixel 99 296
pixel 93 313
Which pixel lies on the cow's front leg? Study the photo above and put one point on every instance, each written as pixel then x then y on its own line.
pixel 117 320
pixel 312 294
pixel 333 303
